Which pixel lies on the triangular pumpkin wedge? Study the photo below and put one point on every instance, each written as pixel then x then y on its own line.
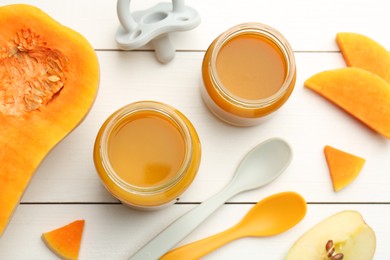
pixel 65 241
pixel 343 167
pixel 363 52
pixel 361 93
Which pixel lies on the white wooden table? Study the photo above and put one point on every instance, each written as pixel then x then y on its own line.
pixel 66 186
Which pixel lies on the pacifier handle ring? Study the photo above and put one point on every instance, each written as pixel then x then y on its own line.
pixel 127 20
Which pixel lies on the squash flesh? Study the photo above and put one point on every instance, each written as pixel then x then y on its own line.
pixel 27 137
pixel 65 241
pixel 343 167
pixel 361 93
pixel 363 52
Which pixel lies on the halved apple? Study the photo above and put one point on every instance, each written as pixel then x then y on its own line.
pixel 343 235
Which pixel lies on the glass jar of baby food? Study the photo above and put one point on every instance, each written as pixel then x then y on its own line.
pixel 147 154
pixel 248 72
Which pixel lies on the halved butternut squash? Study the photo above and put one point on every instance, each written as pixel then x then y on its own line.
pixel 49 77
pixel 65 241
pixel 343 167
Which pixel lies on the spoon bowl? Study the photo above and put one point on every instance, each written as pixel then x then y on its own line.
pixel 271 216
pixel 263 164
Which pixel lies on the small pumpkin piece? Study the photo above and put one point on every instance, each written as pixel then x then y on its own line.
pixel 363 52
pixel 361 93
pixel 65 241
pixel 343 167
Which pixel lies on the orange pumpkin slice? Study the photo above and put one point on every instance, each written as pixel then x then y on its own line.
pixel 343 167
pixel 361 93
pixel 363 52
pixel 65 241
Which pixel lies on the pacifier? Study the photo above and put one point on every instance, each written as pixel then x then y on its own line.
pixel 154 25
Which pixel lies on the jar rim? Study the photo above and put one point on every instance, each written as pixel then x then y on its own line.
pixel 264 31
pixel 165 111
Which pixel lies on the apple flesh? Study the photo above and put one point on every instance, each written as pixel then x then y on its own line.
pixel 351 237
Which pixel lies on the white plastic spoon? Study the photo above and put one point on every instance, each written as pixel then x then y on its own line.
pixel 263 164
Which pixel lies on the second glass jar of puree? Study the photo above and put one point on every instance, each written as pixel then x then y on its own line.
pixel 248 72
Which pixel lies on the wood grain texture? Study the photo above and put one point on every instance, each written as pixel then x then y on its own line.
pixel 66 186
pixel 115 232
pixel 308 25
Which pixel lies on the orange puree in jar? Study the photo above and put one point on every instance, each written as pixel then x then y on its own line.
pixel 247 63
pixel 248 72
pixel 147 154
pixel 146 150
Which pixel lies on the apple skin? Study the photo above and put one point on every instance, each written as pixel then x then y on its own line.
pixel 351 236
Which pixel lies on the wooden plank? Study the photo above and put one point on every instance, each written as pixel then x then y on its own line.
pixel 116 232
pixel 307 121
pixel 308 25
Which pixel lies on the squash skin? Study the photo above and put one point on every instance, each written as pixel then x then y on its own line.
pixel 26 139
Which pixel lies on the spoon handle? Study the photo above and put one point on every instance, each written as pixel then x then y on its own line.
pixel 184 225
pixel 197 249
